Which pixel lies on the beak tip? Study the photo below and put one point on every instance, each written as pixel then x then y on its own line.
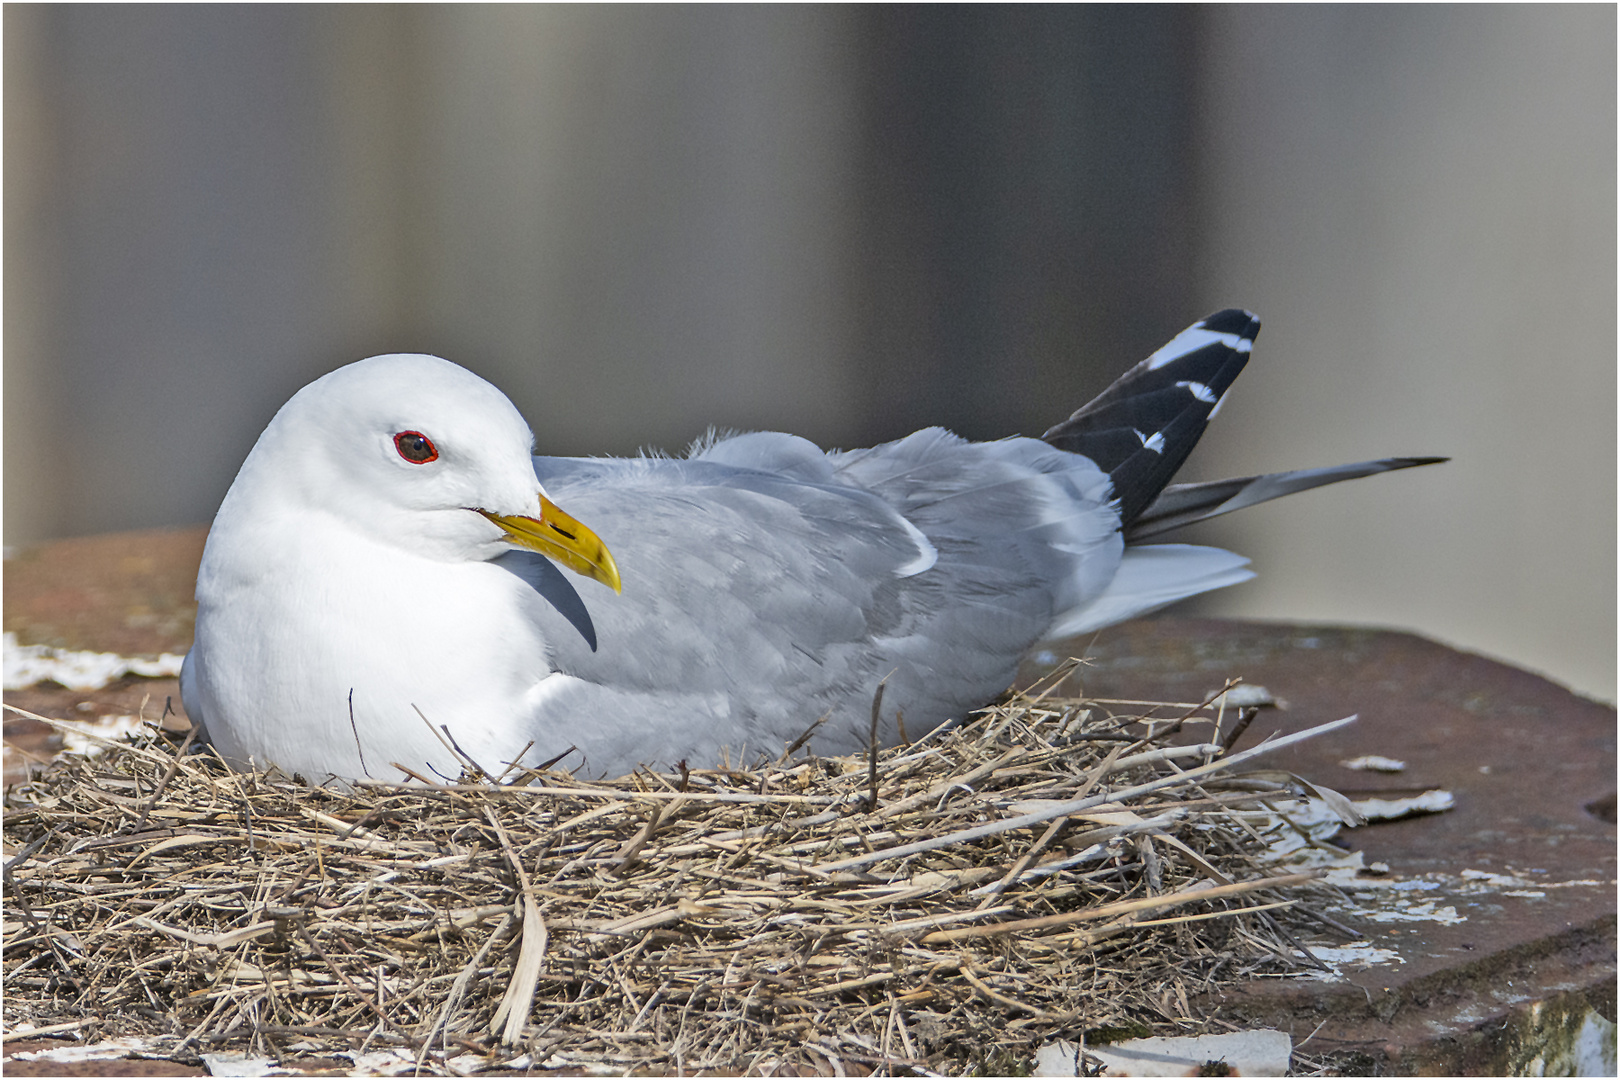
pixel 563 539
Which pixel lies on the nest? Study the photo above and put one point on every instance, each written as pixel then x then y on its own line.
pixel 1050 868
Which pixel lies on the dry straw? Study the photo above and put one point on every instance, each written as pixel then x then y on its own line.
pixel 1048 869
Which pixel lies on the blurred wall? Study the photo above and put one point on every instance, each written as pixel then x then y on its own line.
pixel 850 222
pixel 638 221
pixel 1420 203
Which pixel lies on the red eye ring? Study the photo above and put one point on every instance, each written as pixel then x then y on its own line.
pixel 415 447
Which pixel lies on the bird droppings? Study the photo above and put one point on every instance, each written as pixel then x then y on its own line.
pixel 27 665
pixel 1357 955
pixel 1374 763
pixel 94 738
pixel 1261 1052
pixel 1243 696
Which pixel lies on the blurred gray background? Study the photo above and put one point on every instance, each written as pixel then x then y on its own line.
pixel 850 222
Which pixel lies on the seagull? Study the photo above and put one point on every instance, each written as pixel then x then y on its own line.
pixel 391 584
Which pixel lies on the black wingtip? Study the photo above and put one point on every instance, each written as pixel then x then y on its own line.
pixel 1141 429
pixel 1182 504
pixel 1233 321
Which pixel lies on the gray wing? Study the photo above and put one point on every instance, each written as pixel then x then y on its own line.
pixel 767 584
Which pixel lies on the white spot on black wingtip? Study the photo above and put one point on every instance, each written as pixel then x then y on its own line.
pixel 1154 442
pixel 1217 407
pixel 1191 340
pixel 1199 391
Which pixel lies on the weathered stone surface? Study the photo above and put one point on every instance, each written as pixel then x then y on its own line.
pixel 1525 860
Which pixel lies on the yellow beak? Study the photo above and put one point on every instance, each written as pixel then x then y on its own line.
pixel 557 536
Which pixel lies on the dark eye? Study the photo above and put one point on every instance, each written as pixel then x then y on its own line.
pixel 415 447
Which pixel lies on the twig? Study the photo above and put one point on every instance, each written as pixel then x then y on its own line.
pixel 514 1006
pixel 355 730
pixel 1125 907
pixel 1000 999
pixel 1078 805
pixel 872 747
pixel 804 737
pixel 1245 718
pixel 168 775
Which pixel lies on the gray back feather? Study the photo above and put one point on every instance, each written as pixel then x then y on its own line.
pixel 767 583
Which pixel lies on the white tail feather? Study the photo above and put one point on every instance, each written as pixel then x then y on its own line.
pixel 1150 577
